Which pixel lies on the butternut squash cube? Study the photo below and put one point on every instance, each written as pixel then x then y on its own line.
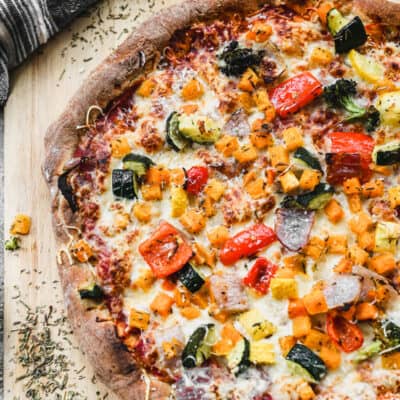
pixel 247 102
pixel 146 88
pixel 374 188
pixel 21 225
pixel 145 280
pixel 394 196
pixel 249 80
pixel 162 304
pixel 264 104
pixel 315 248
pixel 320 56
pixel 138 319
pixel 293 138
pixel 334 211
pixel 352 186
pixel 192 90
pixel 262 31
pixel 279 157
pixel 81 250
pixel 261 139
pixel 151 192
pixel 218 236
pixel 120 147
pixel 193 221
pixel 142 211
pixel 360 223
pixel 391 360
pixel 215 189
pixel 301 326
pixel 227 145
pixel 366 311
pixel 309 179
pixel 383 264
pixel 286 343
pixel 246 153
pixel 337 244
pixel 289 182
pixel 357 255
pixel 315 302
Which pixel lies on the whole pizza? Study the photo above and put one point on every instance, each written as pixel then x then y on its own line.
pixel 226 200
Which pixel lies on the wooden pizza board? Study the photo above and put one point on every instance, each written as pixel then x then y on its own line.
pixel 40 91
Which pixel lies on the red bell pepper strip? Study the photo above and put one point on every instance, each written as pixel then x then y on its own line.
pixel 196 179
pixel 295 93
pixel 260 274
pixel 354 143
pixel 346 335
pixel 166 251
pixel 246 243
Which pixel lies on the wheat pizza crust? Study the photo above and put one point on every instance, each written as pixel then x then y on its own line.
pixel 137 55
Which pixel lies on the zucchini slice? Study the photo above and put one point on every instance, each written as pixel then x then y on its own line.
pixel 387 154
pixel 198 347
pixel 336 21
pixel 239 357
pixel 316 199
pixel 174 138
pixel 125 184
pixel 347 33
pixel 191 278
pixel 308 360
pixel 305 157
pixel 91 292
pixel 138 163
pixel 199 129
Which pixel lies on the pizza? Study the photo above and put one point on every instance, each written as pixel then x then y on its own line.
pixel 226 203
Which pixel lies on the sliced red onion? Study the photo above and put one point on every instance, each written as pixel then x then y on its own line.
pixel 237 124
pixel 293 227
pixel 342 289
pixel 370 279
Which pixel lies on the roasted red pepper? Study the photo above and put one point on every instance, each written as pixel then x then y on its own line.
pixel 295 93
pixel 166 251
pixel 260 274
pixel 350 143
pixel 346 335
pixel 196 179
pixel 246 243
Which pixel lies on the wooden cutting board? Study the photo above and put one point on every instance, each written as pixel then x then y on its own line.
pixel 33 299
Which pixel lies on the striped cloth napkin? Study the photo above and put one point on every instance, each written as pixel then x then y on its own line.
pixel 27 24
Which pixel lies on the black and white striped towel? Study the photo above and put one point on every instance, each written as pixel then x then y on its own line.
pixel 27 24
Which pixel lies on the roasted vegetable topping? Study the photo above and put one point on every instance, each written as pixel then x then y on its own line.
pixel 293 225
pixel 198 347
pixel 340 95
pixel 124 183
pixel 234 60
pixel 308 360
pixel 260 274
pixel 67 192
pixel 246 243
pixel 166 251
pixel 348 34
pixel 92 292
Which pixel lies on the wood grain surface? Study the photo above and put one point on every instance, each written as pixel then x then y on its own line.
pixel 33 299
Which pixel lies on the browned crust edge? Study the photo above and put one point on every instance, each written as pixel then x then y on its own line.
pixel 384 10
pixel 95 331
